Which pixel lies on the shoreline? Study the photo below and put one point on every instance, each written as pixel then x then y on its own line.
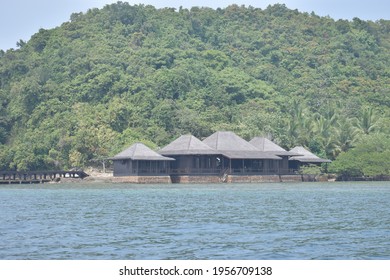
pixel 98 176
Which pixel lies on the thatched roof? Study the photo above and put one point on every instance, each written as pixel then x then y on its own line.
pixel 266 145
pixel 187 145
pixel 306 156
pixel 139 151
pixel 232 146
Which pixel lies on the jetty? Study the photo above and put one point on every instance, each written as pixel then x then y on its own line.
pixel 38 177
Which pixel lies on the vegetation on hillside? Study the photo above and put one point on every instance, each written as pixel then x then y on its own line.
pixel 113 76
pixel 369 158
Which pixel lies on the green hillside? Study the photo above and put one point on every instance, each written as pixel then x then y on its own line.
pixel 113 76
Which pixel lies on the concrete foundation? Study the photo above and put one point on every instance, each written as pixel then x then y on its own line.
pixel 196 179
pixel 212 179
pixel 143 179
pixel 291 178
pixel 253 179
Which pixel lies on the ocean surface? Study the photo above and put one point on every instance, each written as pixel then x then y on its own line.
pixel 222 221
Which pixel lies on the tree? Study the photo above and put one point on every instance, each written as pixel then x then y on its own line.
pixel 127 73
pixel 347 135
pixel 370 157
pixel 367 121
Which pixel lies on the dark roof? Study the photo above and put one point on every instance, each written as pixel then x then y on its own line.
pixel 249 155
pixel 187 145
pixel 139 151
pixel 266 145
pixel 232 146
pixel 306 156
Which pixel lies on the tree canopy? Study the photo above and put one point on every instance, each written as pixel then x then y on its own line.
pixel 370 157
pixel 126 73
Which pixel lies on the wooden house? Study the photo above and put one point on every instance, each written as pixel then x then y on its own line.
pixel 240 157
pixel 305 158
pixel 221 157
pixel 266 145
pixel 139 160
pixel 192 156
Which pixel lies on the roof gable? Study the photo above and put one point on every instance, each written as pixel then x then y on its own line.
pixel 263 144
pixel 306 156
pixel 228 141
pixel 232 146
pixel 187 145
pixel 139 151
pixel 266 145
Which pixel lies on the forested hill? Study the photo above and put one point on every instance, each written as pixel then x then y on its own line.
pixel 113 76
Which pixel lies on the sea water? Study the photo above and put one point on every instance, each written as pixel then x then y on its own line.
pixel 176 221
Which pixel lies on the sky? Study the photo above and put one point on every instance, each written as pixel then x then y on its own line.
pixel 20 19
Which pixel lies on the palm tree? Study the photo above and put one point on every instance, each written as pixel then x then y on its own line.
pixel 326 130
pixel 300 126
pixel 347 135
pixel 367 122
pixel 292 132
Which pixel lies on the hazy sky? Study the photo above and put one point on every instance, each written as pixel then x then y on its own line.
pixel 20 19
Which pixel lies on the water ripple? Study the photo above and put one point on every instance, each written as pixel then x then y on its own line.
pixel 266 221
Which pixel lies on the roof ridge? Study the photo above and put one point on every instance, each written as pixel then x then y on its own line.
pixel 189 142
pixel 135 149
pixel 216 144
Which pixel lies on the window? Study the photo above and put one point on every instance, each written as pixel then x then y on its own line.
pixel 196 162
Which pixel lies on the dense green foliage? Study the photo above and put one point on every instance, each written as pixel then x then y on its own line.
pixel 370 157
pixel 121 74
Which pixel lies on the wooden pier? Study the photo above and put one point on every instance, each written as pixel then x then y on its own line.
pixel 38 177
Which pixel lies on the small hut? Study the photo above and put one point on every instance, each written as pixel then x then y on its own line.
pixel 266 145
pixel 241 157
pixel 305 158
pixel 139 160
pixel 192 156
